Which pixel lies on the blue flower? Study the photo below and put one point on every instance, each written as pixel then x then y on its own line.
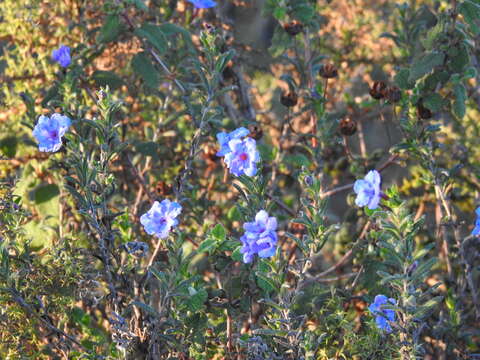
pixel 224 138
pixel 49 131
pixel 368 190
pixel 62 55
pixel 476 229
pixel 203 4
pixel 160 219
pixel 383 316
pixel 243 157
pixel 260 237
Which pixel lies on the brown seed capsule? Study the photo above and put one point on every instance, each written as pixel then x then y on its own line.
pixel 393 94
pixel 162 188
pixel 423 112
pixel 328 71
pixel 377 90
pixel 228 73
pixel 256 131
pixel 347 126
pixel 289 99
pixel 293 28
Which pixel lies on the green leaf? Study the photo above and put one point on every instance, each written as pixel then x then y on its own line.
pixel 470 73
pixel 145 307
pixel 460 93
pixel 110 29
pixel 142 65
pixel 154 35
pixel 170 29
pixel 427 308
pixel 265 283
pixel 434 102
pixel 425 64
pixel 401 79
pixel 422 271
pixel 219 232
pixel 196 299
pixel 471 14
pixel 208 245
pixel 237 255
pixel 44 193
pixel 459 58
pixel 107 78
pixel 8 146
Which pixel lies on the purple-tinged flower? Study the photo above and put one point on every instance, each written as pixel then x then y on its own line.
pixel 243 157
pixel 260 237
pixel 476 229
pixel 62 55
pixel 224 138
pixel 49 131
pixel 383 316
pixel 160 219
pixel 368 190
pixel 203 4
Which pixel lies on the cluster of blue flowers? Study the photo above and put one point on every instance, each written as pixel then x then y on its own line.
pixel 241 155
pixel 383 316
pixel 260 237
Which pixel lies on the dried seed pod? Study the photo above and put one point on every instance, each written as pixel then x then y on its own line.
pixel 328 71
pixel 377 90
pixel 393 94
pixel 162 188
pixel 228 73
pixel 256 131
pixel 347 126
pixel 293 28
pixel 289 99
pixel 423 112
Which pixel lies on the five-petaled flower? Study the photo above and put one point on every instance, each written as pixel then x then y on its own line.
pixel 224 138
pixel 62 55
pixel 368 190
pixel 49 131
pixel 243 157
pixel 383 316
pixel 260 237
pixel 476 229
pixel 203 4
pixel 160 219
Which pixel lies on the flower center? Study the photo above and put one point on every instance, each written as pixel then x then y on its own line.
pixel 54 134
pixel 243 156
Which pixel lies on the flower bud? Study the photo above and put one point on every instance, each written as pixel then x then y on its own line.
pixel 308 180
pixel 328 71
pixel 347 126
pixel 377 90
pixel 293 28
pixel 289 99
